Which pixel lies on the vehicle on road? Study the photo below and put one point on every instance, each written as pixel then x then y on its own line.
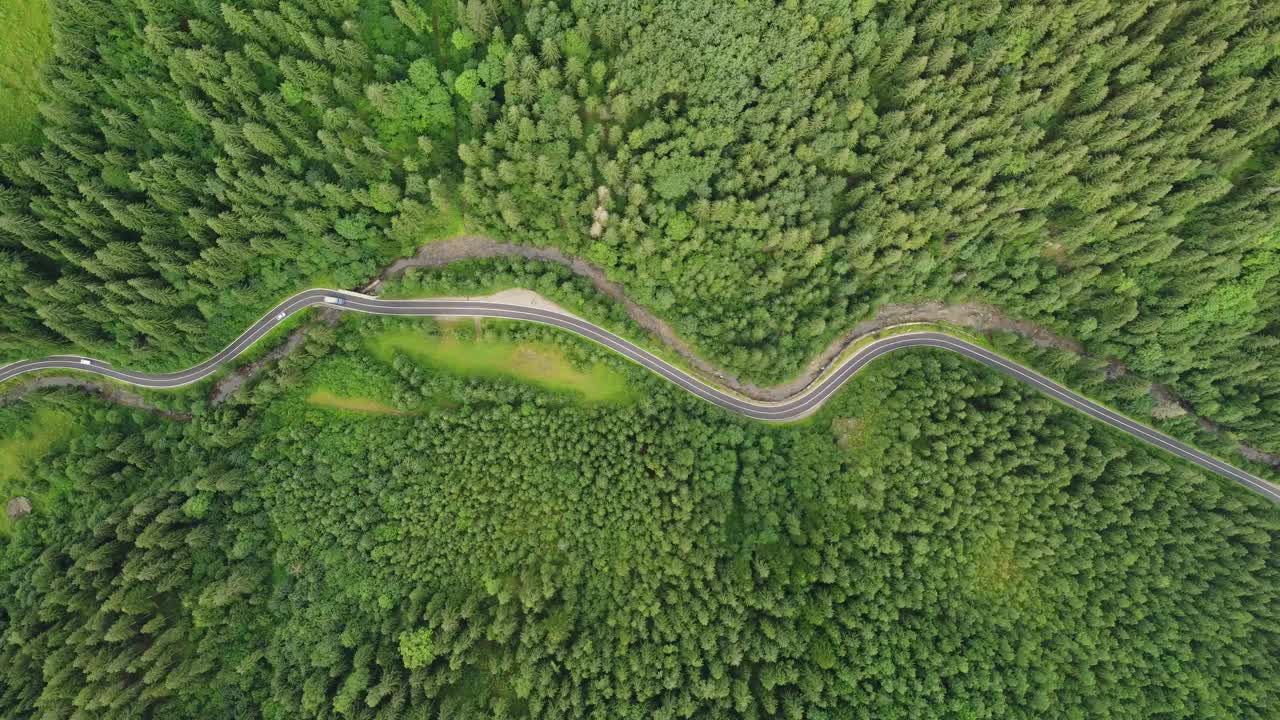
pixel 795 408
pixel 279 316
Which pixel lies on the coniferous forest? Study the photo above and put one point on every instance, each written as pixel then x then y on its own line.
pixel 760 174
pixel 366 532
pixel 938 543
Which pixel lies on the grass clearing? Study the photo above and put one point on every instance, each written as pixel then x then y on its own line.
pixel 354 383
pixel 542 364
pixel 325 398
pixel 26 41
pixel 25 441
pixel 848 433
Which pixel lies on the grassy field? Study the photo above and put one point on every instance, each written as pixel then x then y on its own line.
pixel 25 43
pixel 355 383
pixel 541 364
pixel 25 441
pixel 325 398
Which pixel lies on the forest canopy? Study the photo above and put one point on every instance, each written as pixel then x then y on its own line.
pixel 372 530
pixel 939 542
pixel 762 175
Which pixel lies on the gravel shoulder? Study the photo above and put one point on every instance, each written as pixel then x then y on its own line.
pixel 978 317
pixel 974 316
pixel 969 315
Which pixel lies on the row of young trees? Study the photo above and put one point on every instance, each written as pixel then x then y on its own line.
pixel 939 543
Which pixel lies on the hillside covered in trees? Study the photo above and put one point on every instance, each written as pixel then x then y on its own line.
pixel 772 172
pixel 760 174
pixel 373 531
pixel 938 543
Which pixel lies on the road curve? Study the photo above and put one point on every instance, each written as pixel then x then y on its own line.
pixel 793 409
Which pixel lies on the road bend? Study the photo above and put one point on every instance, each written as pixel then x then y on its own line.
pixel 802 405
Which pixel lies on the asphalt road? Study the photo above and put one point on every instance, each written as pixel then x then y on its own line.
pixel 798 407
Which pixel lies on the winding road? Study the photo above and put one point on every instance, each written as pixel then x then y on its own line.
pixel 794 408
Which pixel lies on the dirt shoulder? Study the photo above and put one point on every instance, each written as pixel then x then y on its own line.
pixel 975 316
pixel 970 315
pixel 979 317
pixel 473 247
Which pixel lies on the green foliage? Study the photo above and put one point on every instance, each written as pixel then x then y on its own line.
pixel 419 105
pixel 484 277
pixel 348 383
pixel 117 601
pixel 465 85
pixel 352 227
pixel 26 41
pixel 203 161
pixel 762 174
pixel 1105 171
pixel 463 39
pixel 939 542
pixel 502 352
pixel 417 649
pixel 27 435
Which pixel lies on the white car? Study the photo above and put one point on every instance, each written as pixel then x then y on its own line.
pixel 86 361
pixel 334 300
pixel 280 316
